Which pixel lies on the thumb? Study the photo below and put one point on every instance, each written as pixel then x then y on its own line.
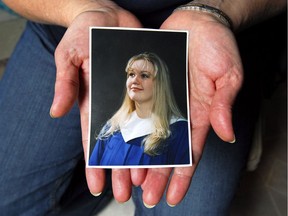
pixel 221 114
pixel 67 83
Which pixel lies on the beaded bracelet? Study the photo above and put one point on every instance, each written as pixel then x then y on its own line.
pixel 220 15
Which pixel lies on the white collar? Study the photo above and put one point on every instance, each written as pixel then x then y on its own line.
pixel 136 127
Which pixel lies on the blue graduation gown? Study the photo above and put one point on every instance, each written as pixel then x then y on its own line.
pixel 115 151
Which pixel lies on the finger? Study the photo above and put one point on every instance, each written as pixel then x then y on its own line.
pixel 227 88
pixel 121 184
pixel 95 180
pixel 95 177
pixel 138 176
pixel 179 184
pixel 221 113
pixel 154 185
pixel 67 82
pixel 181 178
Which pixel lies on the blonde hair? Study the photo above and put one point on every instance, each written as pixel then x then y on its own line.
pixel 163 109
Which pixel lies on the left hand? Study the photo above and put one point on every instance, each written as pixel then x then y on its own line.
pixel 215 77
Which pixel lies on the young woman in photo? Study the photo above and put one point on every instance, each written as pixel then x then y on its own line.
pixel 148 129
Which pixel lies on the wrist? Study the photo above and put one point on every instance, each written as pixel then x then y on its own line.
pixel 244 13
pixel 213 11
pixel 223 11
pixel 76 8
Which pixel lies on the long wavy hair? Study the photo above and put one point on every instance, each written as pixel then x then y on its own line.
pixel 163 109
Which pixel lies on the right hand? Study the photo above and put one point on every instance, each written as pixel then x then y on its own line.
pixel 72 81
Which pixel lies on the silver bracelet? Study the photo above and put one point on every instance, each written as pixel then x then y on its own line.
pixel 220 15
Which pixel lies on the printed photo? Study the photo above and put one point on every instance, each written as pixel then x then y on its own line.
pixel 139 107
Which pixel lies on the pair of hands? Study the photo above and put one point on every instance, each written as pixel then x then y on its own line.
pixel 215 77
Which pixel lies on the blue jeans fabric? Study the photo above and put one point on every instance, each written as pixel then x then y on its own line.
pixel 38 154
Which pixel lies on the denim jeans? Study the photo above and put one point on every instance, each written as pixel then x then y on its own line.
pixel 38 154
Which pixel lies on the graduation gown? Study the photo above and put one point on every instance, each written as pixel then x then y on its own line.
pixel 125 147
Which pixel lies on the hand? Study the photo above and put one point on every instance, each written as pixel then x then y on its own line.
pixel 215 77
pixel 72 79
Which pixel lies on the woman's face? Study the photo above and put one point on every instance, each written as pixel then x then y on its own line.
pixel 140 82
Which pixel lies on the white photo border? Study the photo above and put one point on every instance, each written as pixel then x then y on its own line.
pixel 90 102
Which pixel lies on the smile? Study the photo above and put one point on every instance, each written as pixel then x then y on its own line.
pixel 136 89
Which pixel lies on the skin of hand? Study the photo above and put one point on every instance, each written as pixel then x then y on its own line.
pixel 72 83
pixel 215 77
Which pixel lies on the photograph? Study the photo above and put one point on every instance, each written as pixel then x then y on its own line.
pixel 139 107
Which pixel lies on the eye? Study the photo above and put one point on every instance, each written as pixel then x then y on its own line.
pixel 145 75
pixel 131 74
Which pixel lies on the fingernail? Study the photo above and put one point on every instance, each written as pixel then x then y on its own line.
pixel 51 114
pixel 233 141
pixel 170 205
pixel 148 206
pixel 96 194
